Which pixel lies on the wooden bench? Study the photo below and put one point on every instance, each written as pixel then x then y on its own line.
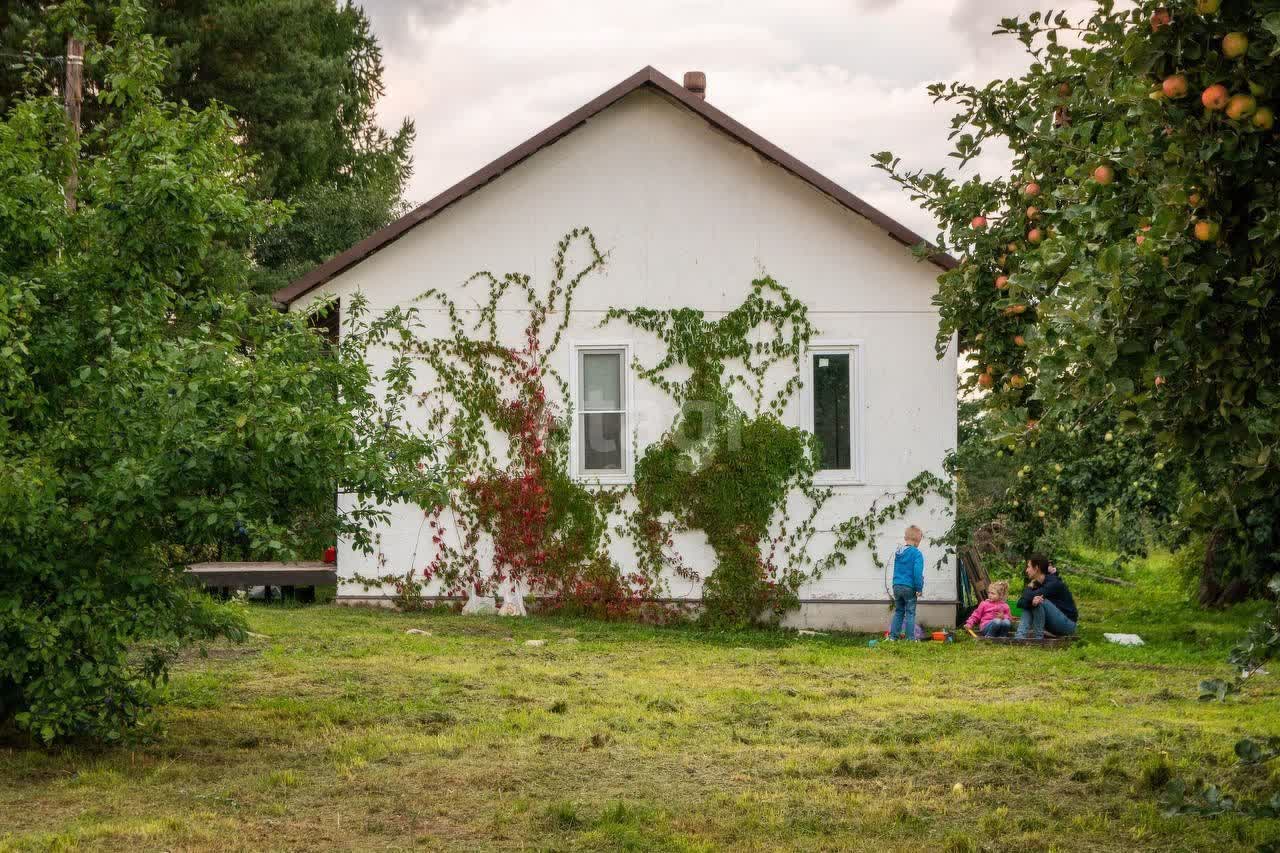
pixel 290 577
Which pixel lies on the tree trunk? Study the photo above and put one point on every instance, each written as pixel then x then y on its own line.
pixel 1210 586
pixel 1234 592
pixel 73 95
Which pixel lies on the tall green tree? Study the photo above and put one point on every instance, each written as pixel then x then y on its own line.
pixel 150 404
pixel 302 79
pixel 1118 288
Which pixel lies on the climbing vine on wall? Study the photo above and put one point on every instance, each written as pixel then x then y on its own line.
pixel 863 529
pixel 728 466
pixel 544 530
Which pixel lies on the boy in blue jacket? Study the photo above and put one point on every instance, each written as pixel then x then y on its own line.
pixel 908 583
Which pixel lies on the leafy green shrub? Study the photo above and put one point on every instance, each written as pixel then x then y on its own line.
pixel 151 407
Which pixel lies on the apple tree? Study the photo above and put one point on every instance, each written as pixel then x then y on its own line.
pixel 1117 289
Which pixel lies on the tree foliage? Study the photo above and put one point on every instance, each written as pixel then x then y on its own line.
pixel 150 406
pixel 1117 290
pixel 302 79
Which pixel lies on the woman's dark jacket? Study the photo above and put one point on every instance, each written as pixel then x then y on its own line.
pixel 1053 589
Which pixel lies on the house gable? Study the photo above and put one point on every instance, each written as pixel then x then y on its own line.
pixel 647 78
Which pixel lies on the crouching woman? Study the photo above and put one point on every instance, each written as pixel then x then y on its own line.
pixel 1046 603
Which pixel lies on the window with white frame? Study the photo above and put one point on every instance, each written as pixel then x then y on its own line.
pixel 601 428
pixel 831 409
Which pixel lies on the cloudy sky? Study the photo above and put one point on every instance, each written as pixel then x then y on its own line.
pixel 830 81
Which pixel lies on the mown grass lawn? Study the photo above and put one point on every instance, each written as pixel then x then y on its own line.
pixel 339 730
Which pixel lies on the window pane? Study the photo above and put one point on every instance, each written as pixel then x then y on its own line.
pixel 601 381
pixel 601 442
pixel 831 410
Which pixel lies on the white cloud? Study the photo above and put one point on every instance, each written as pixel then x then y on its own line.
pixel 831 81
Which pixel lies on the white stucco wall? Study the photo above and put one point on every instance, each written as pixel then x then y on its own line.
pixel 689 217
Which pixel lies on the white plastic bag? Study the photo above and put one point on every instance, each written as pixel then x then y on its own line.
pixel 1124 639
pixel 512 600
pixel 479 604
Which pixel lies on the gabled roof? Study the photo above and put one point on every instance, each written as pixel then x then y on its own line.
pixel 645 77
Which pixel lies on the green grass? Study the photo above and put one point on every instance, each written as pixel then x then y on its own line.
pixel 338 730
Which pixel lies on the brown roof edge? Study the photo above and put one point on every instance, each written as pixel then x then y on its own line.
pixel 647 76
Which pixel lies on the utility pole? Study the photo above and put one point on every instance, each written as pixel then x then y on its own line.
pixel 73 95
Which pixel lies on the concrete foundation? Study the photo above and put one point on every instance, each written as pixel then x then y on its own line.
pixel 868 617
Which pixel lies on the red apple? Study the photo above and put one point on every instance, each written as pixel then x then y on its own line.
pixel 1017 381
pixel 1002 281
pixel 1235 45
pixel 1159 381
pixel 1160 18
pixel 1031 189
pixel 1019 340
pixel 1194 199
pixel 1104 174
pixel 1174 86
pixel 1241 106
pixel 985 380
pixel 1035 235
pixel 1033 212
pixel 978 222
pixel 1264 118
pixel 1215 97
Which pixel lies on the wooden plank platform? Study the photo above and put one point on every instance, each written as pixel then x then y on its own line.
pixel 1046 643
pixel 264 574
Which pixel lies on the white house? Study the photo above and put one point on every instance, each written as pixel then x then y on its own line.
pixel 690 207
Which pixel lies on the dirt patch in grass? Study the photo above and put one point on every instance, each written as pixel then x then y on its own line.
pixel 221 651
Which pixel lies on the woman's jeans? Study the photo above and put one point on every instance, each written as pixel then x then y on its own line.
pixel 997 628
pixel 904 613
pixel 1045 617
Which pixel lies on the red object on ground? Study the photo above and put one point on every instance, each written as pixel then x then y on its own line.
pixel 331 554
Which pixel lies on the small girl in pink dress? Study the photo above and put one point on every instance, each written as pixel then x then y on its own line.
pixel 992 618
